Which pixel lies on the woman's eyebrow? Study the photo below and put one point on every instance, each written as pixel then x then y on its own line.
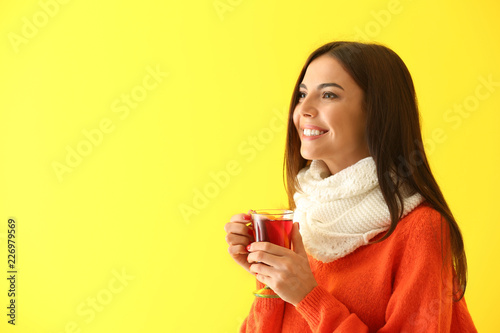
pixel 323 85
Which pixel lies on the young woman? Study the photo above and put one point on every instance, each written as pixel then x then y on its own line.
pixel 378 249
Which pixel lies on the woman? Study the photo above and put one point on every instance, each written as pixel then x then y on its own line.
pixel 378 249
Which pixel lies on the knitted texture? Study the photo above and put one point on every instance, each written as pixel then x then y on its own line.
pixel 341 212
pixel 402 284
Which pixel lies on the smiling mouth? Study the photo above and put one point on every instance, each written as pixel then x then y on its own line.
pixel 307 132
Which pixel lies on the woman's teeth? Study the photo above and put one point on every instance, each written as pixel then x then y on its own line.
pixel 312 132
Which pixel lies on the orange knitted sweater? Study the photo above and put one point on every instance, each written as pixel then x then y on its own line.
pixel 397 285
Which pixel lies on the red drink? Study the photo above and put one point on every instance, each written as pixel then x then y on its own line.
pixel 274 227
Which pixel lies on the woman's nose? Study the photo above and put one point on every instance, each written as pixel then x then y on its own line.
pixel 307 108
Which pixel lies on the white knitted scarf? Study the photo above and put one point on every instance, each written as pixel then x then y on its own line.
pixel 341 212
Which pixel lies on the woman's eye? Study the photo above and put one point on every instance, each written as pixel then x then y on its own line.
pixel 328 94
pixel 302 95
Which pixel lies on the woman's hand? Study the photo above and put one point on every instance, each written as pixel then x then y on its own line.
pixel 238 237
pixel 286 272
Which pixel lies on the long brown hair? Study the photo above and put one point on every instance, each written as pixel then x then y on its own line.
pixel 393 136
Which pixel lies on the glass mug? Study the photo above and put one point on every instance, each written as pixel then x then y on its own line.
pixel 274 226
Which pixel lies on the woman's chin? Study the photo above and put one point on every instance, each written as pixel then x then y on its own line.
pixel 310 155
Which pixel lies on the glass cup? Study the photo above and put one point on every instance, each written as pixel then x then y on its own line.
pixel 274 226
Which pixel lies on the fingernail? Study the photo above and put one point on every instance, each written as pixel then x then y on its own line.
pixel 247 217
pixel 248 247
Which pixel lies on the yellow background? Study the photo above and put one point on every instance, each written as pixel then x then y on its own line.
pixel 208 136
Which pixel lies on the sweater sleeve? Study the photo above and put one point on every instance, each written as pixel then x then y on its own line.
pixel 421 300
pixel 266 315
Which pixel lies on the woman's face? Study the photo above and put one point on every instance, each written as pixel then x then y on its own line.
pixel 329 116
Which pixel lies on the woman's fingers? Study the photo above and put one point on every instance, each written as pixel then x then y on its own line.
pixel 238 233
pixel 235 239
pixel 239 254
pixel 237 228
pixel 286 272
pixel 245 218
pixel 235 250
pixel 269 248
pixel 263 257
pixel 261 269
pixel 269 257
pixel 238 236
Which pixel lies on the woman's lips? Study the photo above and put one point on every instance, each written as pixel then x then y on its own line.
pixel 313 128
